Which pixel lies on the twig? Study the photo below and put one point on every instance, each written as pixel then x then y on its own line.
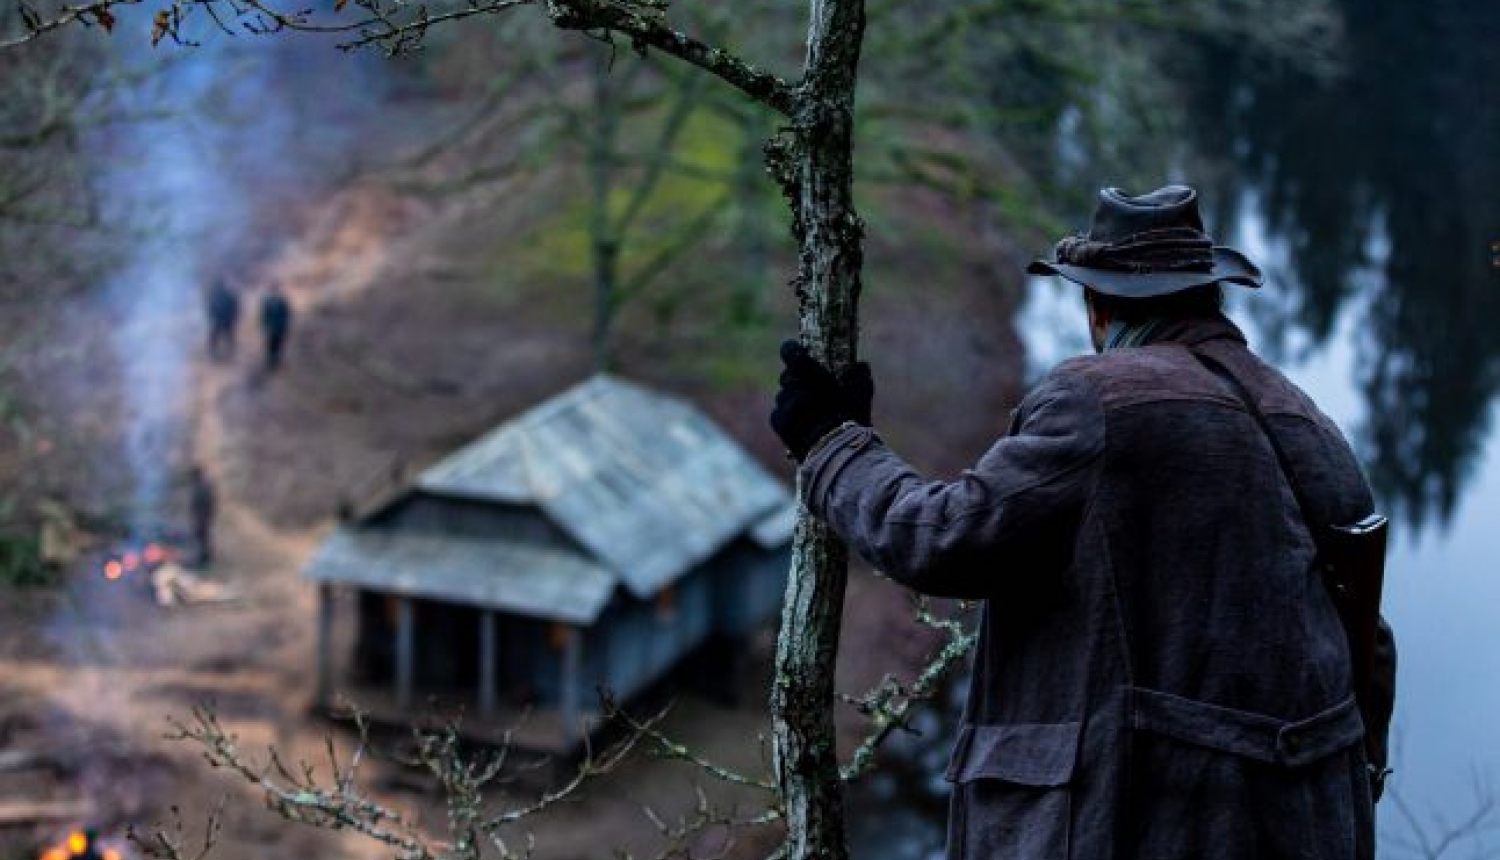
pixel 672 750
pixel 1432 840
pixel 398 26
pixel 161 846
pixel 88 14
pixel 682 836
pixel 890 702
pixel 643 22
pixel 300 798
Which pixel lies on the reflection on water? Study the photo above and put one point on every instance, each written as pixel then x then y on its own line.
pixel 1390 169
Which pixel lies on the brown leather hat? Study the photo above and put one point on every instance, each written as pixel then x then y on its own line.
pixel 1151 245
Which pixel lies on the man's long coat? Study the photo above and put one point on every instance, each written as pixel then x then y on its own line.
pixel 1160 673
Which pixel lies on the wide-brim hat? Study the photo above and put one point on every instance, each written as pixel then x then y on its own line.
pixel 1146 246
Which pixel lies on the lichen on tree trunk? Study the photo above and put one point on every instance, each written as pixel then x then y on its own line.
pixel 814 163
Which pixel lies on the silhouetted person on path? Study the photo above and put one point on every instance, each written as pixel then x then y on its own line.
pixel 223 314
pixel 203 504
pixel 275 322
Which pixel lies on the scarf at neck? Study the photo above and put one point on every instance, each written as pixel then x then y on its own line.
pixel 1121 335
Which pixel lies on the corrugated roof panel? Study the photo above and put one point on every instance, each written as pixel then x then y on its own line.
pixel 512 577
pixel 645 482
pixel 493 467
pixel 776 529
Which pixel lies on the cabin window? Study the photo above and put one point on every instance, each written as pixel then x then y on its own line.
pixel 559 635
pixel 666 605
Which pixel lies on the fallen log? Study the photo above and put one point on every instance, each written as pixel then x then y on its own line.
pixel 11 760
pixel 63 759
pixel 13 812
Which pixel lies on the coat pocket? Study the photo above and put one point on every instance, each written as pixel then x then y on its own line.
pixel 1288 743
pixel 1012 793
pixel 1250 784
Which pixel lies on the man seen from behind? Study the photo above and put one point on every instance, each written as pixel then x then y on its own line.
pixel 1161 671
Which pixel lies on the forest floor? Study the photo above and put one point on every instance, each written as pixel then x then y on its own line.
pixel 402 348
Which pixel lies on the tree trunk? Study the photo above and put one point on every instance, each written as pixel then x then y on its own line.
pixel 815 166
pixel 747 303
pixel 604 246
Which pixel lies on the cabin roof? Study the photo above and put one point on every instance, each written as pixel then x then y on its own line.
pixel 645 484
pixel 643 481
pixel 537 581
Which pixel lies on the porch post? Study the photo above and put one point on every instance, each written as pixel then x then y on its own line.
pixel 487 662
pixel 323 690
pixel 568 696
pixel 405 646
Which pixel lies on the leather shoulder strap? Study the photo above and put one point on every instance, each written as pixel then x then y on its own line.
pixel 1243 393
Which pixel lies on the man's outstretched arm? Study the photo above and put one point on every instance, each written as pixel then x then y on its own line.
pixel 969 537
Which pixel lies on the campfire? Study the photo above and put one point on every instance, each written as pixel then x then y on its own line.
pixel 133 560
pixel 81 845
pixel 158 568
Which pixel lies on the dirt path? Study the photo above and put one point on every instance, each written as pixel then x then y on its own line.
pixel 252 661
pixel 99 668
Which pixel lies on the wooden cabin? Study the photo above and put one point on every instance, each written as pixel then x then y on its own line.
pixel 597 540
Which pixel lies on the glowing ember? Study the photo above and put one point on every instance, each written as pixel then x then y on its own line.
pixel 80 845
pixel 131 560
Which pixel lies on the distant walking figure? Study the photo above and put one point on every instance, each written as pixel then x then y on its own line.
pixel 202 503
pixel 223 313
pixel 275 321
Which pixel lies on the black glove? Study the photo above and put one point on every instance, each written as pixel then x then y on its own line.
pixel 812 402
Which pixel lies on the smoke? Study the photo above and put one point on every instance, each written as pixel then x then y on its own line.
pixel 199 172
pixel 231 138
pixel 207 158
pixel 174 205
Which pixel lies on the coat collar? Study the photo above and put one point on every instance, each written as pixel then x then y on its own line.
pixel 1191 332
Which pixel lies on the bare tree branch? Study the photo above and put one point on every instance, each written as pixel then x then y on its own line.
pixel 336 800
pixel 688 97
pixel 398 26
pixel 644 24
pixel 690 836
pixel 300 798
pixel 889 704
pixel 1433 838
pixel 685 239
pixel 161 845
pixel 97 13
pixel 673 750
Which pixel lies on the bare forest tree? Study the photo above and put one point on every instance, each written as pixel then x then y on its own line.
pixel 811 159
pixel 51 98
pixel 627 123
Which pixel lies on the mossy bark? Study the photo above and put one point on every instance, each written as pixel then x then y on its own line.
pixel 814 163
